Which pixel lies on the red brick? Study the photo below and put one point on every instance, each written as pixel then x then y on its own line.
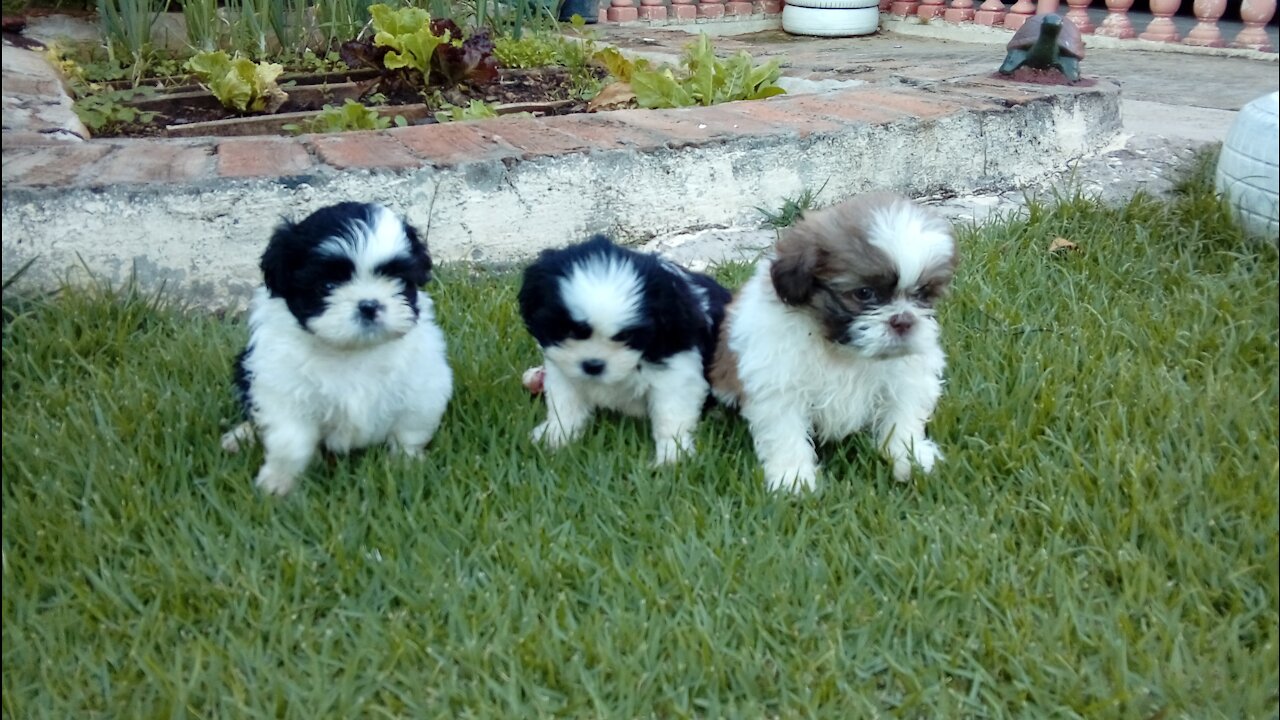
pixel 622 14
pixel 454 143
pixel 778 112
pixel 697 126
pixel 653 12
pixel 737 8
pixel 57 165
pixel 153 161
pixel 533 137
pixel 914 104
pixel 842 106
pixel 684 12
pixel 607 130
pixel 262 157
pixel 364 151
pixel 710 10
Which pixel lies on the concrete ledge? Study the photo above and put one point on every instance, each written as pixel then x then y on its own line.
pixel 195 214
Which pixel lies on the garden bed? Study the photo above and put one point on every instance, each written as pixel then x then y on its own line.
pixel 189 110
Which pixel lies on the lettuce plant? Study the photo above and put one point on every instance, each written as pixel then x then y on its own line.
pixel 239 83
pixel 410 49
pixel 701 78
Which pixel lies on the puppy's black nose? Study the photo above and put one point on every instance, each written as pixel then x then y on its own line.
pixel 369 309
pixel 902 323
pixel 593 367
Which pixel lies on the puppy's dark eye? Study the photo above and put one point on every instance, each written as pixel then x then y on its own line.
pixel 924 295
pixel 330 286
pixel 864 294
pixel 580 331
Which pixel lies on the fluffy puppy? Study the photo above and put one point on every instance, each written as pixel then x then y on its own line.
pixel 625 331
pixel 836 332
pixel 343 349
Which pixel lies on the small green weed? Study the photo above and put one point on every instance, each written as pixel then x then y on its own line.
pixel 475 110
pixel 350 116
pixel 792 209
pixel 104 109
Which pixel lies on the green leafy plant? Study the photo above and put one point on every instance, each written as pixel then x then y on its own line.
pixel 102 109
pixel 475 110
pixel 239 83
pixel 701 78
pixel 534 50
pixel 408 35
pixel 350 116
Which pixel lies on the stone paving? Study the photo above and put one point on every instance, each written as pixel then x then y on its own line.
pixel 923 116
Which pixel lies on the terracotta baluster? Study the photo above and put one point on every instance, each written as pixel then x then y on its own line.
pixel 1044 7
pixel 1161 27
pixel 1255 14
pixel 683 9
pixel 710 8
pixel 930 9
pixel 904 7
pixel 885 5
pixel 653 10
pixel 1021 12
pixel 960 11
pixel 1079 14
pixel 1117 23
pixel 1206 33
pixel 990 12
pixel 621 11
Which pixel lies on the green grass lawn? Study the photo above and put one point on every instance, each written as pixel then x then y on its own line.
pixel 1101 541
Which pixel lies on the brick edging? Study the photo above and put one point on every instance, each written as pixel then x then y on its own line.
pixel 96 163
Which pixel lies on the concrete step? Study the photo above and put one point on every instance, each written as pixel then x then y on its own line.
pixel 196 213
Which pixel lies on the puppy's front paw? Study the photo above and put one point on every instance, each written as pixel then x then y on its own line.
pixel 922 454
pixel 241 437
pixel 550 434
pixel 796 480
pixel 672 449
pixel 274 482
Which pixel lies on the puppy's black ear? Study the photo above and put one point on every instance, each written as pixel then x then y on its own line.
pixel 793 270
pixel 278 257
pixel 421 256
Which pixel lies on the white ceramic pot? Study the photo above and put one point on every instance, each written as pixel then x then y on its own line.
pixel 831 18
pixel 1248 173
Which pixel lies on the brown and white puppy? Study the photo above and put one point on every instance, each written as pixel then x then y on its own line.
pixel 836 333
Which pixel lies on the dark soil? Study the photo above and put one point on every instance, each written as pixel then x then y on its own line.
pixel 541 91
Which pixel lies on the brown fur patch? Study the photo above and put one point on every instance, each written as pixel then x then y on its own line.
pixel 723 375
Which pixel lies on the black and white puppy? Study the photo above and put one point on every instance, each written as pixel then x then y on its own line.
pixel 837 332
pixel 625 331
pixel 343 348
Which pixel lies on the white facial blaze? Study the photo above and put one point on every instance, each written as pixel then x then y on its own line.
pixel 603 293
pixel 369 246
pixel 916 241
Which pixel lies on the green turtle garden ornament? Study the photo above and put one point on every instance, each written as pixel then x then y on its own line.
pixel 1043 42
